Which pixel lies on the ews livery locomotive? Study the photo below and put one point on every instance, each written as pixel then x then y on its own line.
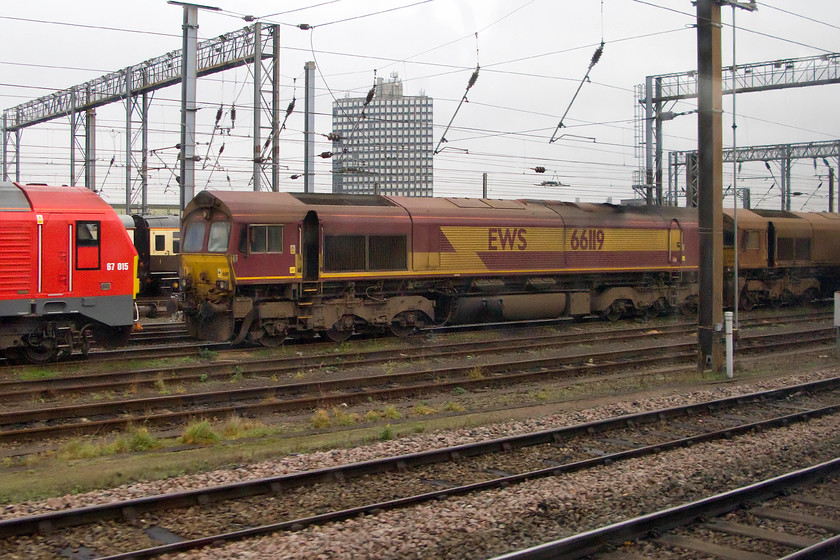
pixel 262 266
pixel 68 272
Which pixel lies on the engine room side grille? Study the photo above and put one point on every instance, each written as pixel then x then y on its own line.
pixel 344 253
pixel 15 261
pixel 386 252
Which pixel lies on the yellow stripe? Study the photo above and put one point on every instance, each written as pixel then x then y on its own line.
pixel 343 275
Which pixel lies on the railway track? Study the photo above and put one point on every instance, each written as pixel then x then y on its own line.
pixel 27 424
pixel 170 340
pixel 178 521
pixel 728 525
pixel 324 356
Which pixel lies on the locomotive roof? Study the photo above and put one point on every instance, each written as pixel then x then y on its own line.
pixel 289 207
pixel 43 198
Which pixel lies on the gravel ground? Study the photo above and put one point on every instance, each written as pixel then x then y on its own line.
pixel 498 521
pixel 494 522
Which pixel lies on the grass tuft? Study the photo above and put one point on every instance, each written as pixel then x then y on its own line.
pixel 199 433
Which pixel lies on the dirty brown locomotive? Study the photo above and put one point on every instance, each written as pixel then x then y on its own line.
pixel 263 266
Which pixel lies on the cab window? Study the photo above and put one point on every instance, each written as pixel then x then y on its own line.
pixel 194 237
pixel 750 240
pixel 217 241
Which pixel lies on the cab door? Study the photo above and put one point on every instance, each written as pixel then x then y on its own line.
pixel 675 243
pixel 54 254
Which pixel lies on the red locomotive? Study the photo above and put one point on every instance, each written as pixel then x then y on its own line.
pixel 262 266
pixel 68 272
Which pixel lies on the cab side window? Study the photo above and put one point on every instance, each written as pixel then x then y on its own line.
pixel 88 245
pixel 265 239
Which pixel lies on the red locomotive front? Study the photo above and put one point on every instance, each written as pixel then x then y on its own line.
pixel 68 272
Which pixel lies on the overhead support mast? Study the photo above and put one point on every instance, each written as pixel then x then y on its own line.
pixel 710 181
pixel 189 76
pixel 309 129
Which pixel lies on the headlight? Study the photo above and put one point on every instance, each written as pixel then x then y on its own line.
pixel 222 285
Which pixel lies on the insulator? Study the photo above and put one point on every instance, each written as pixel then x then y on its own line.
pixel 222 149
pixel 304 26
pixel 334 136
pixel 291 107
pixel 218 115
pixel 294 177
pixel 112 160
pixel 473 78
pixel 232 114
pixel 369 97
pixel 597 56
pixel 326 155
pixel 539 169
pixel 267 142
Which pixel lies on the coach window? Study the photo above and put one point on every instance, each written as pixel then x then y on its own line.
pixel 217 242
pixel 265 239
pixel 87 245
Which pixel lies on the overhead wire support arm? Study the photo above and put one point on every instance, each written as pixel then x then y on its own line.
pixel 595 58
pixel 471 83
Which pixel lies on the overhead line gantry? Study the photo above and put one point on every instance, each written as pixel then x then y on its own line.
pixel 256 45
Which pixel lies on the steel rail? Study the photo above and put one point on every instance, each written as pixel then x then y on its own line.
pixel 591 542
pixel 130 509
pixel 266 395
pixel 20 390
pixel 344 360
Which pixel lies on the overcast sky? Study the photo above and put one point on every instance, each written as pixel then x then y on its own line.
pixel 532 56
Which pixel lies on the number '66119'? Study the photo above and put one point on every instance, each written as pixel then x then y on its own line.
pixel 587 240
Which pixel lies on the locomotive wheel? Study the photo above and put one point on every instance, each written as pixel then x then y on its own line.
pixel 337 335
pixel 87 337
pixel 342 329
pixel 747 302
pixel 688 308
pixel 272 341
pixel 614 313
pixel 45 352
pixel 406 324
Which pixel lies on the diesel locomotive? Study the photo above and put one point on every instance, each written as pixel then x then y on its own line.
pixel 265 266
pixel 68 272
